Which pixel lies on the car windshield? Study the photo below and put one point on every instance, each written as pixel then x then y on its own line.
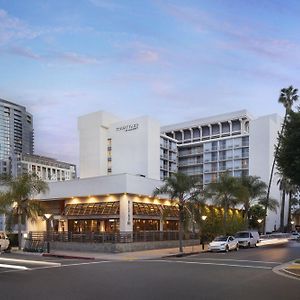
pixel 242 235
pixel 221 239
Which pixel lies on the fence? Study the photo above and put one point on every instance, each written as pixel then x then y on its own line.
pixel 91 237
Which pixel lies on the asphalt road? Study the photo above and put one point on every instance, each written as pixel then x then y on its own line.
pixel 245 274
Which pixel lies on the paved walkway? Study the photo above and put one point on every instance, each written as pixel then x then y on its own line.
pixel 147 254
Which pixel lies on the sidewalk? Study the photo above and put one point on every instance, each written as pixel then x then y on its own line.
pixel 147 254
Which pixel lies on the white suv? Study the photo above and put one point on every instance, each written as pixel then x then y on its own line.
pixel 4 241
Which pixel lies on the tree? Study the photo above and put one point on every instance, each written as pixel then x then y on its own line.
pixel 287 97
pixel 182 188
pixel 18 198
pixel 283 183
pixel 256 212
pixel 268 204
pixel 226 192
pixel 288 158
pixel 255 188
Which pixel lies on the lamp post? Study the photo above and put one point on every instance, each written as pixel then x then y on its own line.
pixel 47 217
pixel 259 223
pixel 292 223
pixel 203 218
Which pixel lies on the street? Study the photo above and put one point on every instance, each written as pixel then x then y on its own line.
pixel 244 274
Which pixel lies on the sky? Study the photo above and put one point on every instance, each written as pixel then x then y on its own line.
pixel 171 60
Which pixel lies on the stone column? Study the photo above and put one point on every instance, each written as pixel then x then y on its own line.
pixel 126 214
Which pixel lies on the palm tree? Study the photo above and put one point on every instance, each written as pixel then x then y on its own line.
pixel 18 200
pixel 283 184
pixel 268 204
pixel 287 98
pixel 292 190
pixel 226 192
pixel 182 188
pixel 255 188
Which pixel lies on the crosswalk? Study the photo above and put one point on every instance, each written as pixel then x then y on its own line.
pixel 10 264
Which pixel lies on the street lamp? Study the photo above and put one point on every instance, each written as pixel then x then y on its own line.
pixel 202 239
pixel 47 217
pixel 259 222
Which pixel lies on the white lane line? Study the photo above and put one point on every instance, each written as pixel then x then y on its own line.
pixel 213 264
pixel 33 262
pixel 55 266
pixel 13 267
pixel 241 260
pixel 72 265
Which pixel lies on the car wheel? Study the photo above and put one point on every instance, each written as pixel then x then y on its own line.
pixel 237 247
pixel 227 248
pixel 248 246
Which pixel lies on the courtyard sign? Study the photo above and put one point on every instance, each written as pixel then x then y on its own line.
pixel 128 127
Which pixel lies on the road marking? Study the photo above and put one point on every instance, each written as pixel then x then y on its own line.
pixel 22 268
pixel 242 260
pixel 71 265
pixel 33 262
pixel 13 267
pixel 213 264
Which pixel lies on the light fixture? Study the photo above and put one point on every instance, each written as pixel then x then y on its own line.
pixel 203 218
pixel 292 222
pixel 259 220
pixel 47 216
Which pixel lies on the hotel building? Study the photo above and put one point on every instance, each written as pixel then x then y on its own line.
pixel 123 161
pixel 46 168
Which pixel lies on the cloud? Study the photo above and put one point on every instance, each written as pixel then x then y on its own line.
pixel 72 58
pixel 12 28
pixel 23 51
pixel 76 58
pixel 235 35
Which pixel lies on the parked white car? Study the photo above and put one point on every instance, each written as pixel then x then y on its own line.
pixel 247 238
pixel 295 235
pixel 223 243
pixel 4 241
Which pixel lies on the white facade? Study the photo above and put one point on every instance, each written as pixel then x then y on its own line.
pixel 93 136
pixel 47 169
pixel 110 146
pixel 135 147
pixel 263 138
pixel 122 188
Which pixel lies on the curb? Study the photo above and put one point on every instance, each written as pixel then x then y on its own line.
pixel 290 273
pixel 282 271
pixel 67 256
pixel 184 254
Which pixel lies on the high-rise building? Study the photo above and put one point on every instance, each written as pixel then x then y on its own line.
pixel 205 148
pixel 123 161
pixel 17 148
pixel 16 135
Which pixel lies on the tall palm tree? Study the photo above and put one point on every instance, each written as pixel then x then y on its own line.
pixel 182 188
pixel 287 97
pixel 292 191
pixel 283 184
pixel 255 188
pixel 226 192
pixel 18 199
pixel 268 204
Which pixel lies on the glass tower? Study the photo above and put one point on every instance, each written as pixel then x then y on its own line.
pixel 16 136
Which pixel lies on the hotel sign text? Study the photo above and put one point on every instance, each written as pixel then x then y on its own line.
pixel 128 127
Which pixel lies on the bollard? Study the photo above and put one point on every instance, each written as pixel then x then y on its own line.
pixel 48 247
